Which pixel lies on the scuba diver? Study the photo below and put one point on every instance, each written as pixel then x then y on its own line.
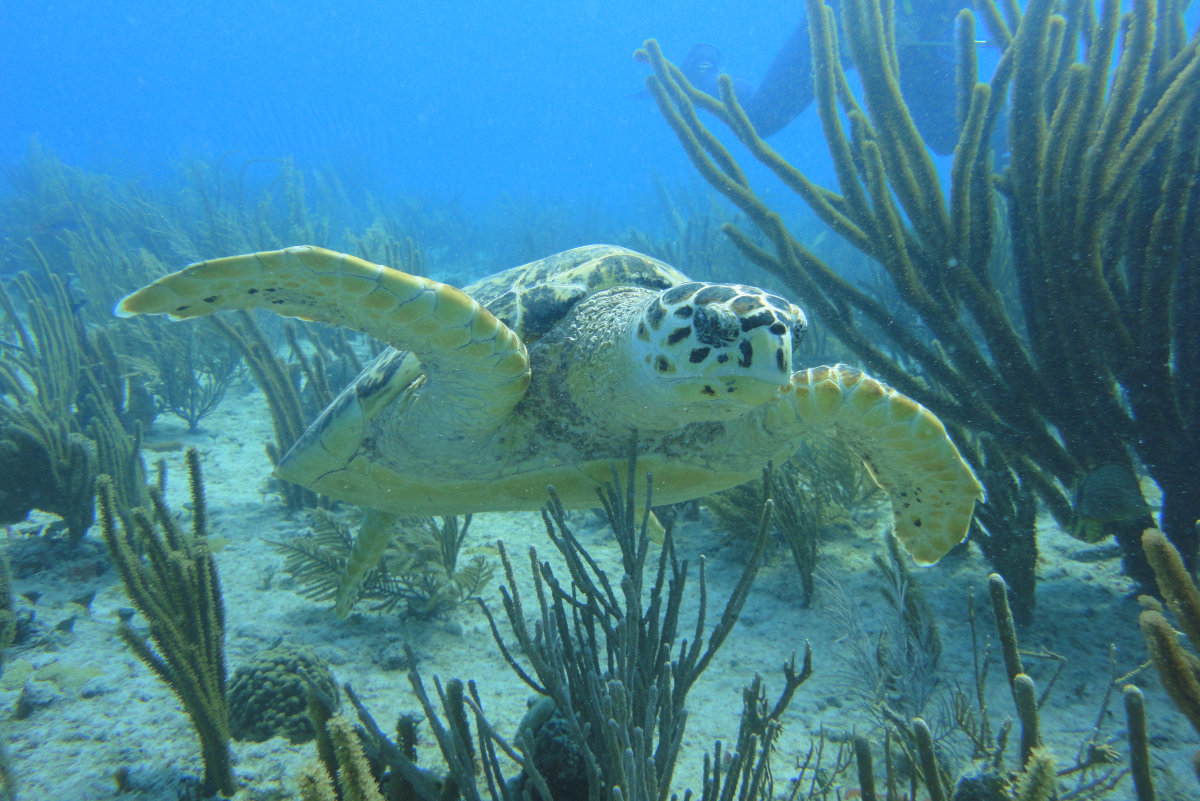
pixel 924 49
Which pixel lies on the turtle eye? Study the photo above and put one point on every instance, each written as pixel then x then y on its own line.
pixel 799 329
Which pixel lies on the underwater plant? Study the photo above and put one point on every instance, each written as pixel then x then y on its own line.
pixel 419 569
pixel 344 763
pixel 604 659
pixel 1091 362
pixel 47 463
pixel 65 414
pixel 795 519
pixel 174 586
pixel 894 673
pixel 913 754
pixel 613 669
pixel 186 371
pixel 590 647
pixel 816 491
pixel 1178 669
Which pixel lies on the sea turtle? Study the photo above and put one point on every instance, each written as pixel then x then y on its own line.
pixel 537 375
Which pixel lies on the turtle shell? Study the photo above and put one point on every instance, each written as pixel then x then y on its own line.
pixel 533 298
pixel 530 299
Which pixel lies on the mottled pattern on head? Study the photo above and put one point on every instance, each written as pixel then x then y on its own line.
pixel 721 332
pixel 532 299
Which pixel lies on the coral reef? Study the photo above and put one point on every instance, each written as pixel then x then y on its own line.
pixel 61 411
pixel 1178 669
pixel 419 568
pixel 1089 362
pixel 116 232
pixel 175 588
pixel 911 751
pixel 894 673
pixel 613 679
pixel 268 695
pixel 817 491
pixel 617 685
pixel 187 370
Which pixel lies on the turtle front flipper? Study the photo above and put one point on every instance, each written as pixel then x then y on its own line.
pixel 904 446
pixel 470 355
pixel 372 540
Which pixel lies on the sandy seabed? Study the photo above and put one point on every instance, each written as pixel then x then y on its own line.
pixel 89 707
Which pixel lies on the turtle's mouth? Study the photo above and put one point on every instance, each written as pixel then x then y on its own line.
pixel 739 391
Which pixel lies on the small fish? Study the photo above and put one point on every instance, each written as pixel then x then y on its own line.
pixel 1108 494
pixel 52 227
pixel 75 301
pixel 85 600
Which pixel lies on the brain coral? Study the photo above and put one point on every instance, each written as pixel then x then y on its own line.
pixel 268 695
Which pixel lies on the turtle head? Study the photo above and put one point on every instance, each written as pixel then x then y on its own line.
pixel 717 349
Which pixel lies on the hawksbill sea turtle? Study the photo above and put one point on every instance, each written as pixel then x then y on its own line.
pixel 537 375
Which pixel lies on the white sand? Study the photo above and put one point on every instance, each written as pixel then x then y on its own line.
pixel 104 709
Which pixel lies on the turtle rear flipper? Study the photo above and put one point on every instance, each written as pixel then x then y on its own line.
pixel 905 448
pixel 472 360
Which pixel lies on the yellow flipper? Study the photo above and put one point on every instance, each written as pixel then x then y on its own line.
pixel 905 448
pixel 456 339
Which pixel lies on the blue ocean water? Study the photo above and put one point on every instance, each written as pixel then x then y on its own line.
pixel 473 106
pixel 465 101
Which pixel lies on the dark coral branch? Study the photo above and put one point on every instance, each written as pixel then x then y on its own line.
pixel 176 589
pixel 1087 364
